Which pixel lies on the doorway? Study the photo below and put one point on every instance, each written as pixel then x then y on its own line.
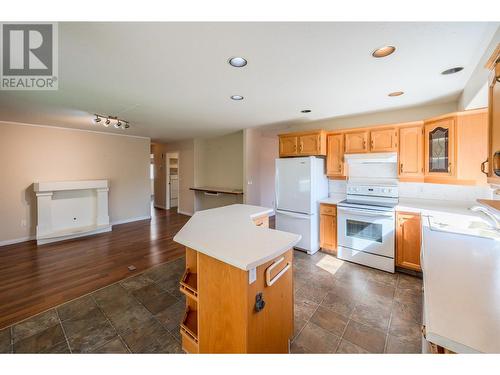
pixel 172 176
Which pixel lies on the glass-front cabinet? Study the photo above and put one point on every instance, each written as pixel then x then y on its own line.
pixel 440 147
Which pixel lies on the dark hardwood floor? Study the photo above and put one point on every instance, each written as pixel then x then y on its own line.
pixel 35 278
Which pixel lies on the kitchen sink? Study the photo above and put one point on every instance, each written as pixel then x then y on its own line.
pixel 463 225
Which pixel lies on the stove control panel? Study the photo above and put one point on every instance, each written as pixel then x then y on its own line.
pixel 379 191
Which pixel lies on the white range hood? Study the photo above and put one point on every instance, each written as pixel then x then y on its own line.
pixel 374 157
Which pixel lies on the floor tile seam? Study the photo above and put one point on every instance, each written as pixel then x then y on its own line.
pixel 64 331
pixel 111 323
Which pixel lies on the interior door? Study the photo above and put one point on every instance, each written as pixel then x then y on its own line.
pixel 411 152
pixel 293 184
pixel 335 155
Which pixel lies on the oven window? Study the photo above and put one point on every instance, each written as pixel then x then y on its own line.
pixel 364 230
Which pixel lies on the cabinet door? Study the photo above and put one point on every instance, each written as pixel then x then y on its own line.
pixel 440 148
pixel 383 140
pixel 288 146
pixel 356 142
pixel 328 233
pixel 335 155
pixel 408 236
pixel 411 152
pixel 494 127
pixel 310 144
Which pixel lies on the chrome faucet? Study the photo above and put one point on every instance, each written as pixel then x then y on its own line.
pixel 493 217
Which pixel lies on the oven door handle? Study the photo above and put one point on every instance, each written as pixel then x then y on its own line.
pixel 365 212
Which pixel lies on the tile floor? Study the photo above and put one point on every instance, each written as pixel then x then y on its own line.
pixel 140 314
pixel 342 307
pixel 339 308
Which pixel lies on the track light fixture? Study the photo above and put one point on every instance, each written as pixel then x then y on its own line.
pixel 110 120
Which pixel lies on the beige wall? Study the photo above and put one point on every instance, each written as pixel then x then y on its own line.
pixel 219 163
pixel 160 196
pixel 37 153
pixel 260 152
pixel 185 149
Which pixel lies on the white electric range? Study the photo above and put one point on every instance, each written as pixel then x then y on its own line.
pixel 366 220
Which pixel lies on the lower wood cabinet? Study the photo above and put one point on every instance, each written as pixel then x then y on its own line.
pixel 328 228
pixel 408 237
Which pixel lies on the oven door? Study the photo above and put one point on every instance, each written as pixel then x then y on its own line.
pixel 364 230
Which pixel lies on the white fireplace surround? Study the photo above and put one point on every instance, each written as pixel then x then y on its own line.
pixel 70 209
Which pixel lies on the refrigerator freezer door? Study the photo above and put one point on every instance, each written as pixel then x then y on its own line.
pixel 302 224
pixel 294 184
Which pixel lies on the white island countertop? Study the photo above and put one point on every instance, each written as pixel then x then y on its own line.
pixel 229 234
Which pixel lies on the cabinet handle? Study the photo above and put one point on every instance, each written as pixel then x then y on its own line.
pixel 300 147
pixel 270 281
pixel 483 168
pixel 294 148
pixel 401 168
pixel 364 144
pixel 371 143
pixel 449 167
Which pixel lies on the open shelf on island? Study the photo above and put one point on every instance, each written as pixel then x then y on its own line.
pixel 189 284
pixel 190 324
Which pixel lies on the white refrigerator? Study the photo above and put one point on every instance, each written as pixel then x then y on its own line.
pixel 300 184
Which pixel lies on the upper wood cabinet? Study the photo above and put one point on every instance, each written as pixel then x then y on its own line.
pixel 356 142
pixel 335 155
pixel 439 142
pixel 411 152
pixel 455 146
pixel 288 146
pixel 384 140
pixel 408 236
pixel 303 144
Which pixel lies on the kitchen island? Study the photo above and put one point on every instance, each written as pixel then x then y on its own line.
pixel 237 282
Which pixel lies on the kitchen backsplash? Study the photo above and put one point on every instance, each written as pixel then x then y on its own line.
pixel 429 191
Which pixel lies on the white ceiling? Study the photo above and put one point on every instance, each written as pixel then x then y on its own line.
pixel 172 80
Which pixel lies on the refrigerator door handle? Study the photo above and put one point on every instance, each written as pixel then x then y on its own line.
pixel 294 214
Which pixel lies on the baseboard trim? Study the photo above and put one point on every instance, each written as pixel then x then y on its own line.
pixel 184 213
pixel 33 237
pixel 125 221
pixel 159 206
pixel 17 240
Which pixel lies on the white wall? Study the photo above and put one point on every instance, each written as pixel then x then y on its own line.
pixel 30 153
pixel 473 95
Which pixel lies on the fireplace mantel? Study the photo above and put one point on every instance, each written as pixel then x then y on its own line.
pixel 70 209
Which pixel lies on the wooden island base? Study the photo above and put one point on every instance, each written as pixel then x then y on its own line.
pixel 221 314
pixel 221 305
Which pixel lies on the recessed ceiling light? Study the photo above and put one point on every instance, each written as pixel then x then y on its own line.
pixel 237 62
pixel 306 111
pixel 383 51
pixel 453 70
pixel 236 97
pixel 396 93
